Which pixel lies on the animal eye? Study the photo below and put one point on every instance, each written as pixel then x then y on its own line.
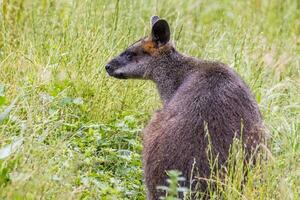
pixel 130 55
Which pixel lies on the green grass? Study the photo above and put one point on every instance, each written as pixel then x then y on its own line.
pixel 80 130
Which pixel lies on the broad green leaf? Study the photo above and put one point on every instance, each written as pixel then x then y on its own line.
pixel 10 148
pixel 6 112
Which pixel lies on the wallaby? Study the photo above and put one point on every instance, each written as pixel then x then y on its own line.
pixel 197 96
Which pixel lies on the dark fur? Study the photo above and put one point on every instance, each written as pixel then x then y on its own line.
pixel 194 92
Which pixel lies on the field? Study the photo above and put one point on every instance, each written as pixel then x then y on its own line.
pixel 68 131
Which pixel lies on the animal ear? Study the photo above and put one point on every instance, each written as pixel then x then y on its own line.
pixel 160 30
pixel 153 20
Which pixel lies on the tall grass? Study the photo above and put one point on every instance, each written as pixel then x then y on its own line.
pixel 80 129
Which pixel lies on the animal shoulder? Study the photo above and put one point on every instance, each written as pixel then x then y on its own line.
pixel 207 75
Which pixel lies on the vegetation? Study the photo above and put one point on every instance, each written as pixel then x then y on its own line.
pixel 67 131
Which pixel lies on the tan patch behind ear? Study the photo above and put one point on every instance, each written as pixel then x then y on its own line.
pixel 150 47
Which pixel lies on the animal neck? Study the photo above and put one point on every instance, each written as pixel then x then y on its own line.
pixel 169 74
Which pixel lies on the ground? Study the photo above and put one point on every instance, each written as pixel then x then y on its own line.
pixel 68 131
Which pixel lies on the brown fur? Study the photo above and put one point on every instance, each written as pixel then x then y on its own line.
pixel 194 92
pixel 150 47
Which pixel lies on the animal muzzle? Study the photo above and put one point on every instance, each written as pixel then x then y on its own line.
pixel 111 70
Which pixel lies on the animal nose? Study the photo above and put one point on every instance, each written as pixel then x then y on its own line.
pixel 107 67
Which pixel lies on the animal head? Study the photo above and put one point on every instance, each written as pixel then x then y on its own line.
pixel 139 59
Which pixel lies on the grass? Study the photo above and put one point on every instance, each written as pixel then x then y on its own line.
pixel 76 132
